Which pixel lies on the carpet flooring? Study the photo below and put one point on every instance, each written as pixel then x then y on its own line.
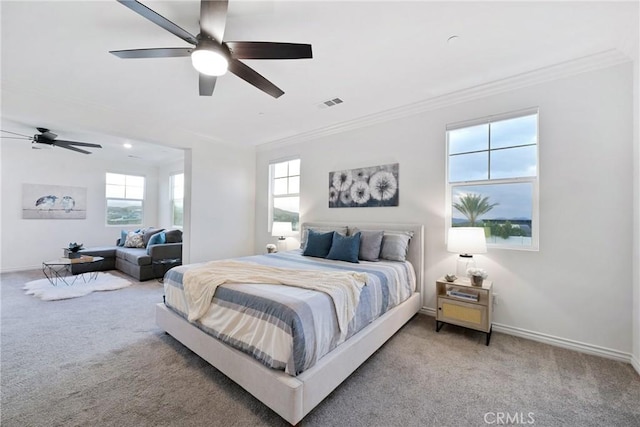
pixel 100 360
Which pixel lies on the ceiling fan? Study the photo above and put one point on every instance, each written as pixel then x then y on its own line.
pixel 46 137
pixel 212 56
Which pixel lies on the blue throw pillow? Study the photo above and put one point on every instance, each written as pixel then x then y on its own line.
pixel 123 237
pixel 345 248
pixel 318 244
pixel 156 239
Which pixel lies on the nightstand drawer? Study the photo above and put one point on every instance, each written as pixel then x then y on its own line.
pixel 463 314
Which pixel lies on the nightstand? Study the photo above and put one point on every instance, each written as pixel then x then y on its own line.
pixel 469 312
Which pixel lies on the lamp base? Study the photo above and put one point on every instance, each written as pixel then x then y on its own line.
pixel 282 245
pixel 464 262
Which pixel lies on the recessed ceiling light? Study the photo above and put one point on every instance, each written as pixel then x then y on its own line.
pixel 127 145
pixel 452 39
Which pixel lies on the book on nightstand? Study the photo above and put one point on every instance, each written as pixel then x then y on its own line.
pixel 462 295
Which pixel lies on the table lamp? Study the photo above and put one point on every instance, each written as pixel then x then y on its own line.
pixel 466 241
pixel 281 230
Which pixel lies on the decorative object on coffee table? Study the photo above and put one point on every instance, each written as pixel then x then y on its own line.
pixel 72 251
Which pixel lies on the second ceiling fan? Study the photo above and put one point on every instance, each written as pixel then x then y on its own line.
pixel 212 56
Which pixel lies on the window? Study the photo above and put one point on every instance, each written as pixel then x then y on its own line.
pixel 493 178
pixel 125 197
pixel 284 193
pixel 177 200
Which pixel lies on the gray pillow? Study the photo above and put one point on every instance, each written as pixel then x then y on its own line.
pixel 173 236
pixel 148 232
pixel 395 245
pixel 370 244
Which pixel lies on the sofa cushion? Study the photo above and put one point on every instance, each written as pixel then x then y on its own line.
pixel 103 251
pixel 173 236
pixel 148 233
pixel 136 256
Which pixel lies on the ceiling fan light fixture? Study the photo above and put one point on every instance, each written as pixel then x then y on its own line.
pixel 209 61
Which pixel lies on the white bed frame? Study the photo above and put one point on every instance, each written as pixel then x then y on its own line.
pixel 294 397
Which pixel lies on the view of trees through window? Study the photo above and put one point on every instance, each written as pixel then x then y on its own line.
pixel 285 192
pixel 493 178
pixel 125 197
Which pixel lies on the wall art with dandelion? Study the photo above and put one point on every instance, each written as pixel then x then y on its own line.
pixel 364 187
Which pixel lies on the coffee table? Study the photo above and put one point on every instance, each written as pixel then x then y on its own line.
pixel 59 270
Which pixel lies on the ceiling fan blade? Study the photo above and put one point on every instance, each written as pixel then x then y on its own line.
pixel 81 144
pixel 68 147
pixel 160 52
pixel 13 133
pixel 160 20
pixel 17 137
pixel 213 18
pixel 269 50
pixel 207 84
pixel 249 75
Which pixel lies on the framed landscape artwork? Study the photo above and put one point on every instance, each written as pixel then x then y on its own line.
pixel 365 187
pixel 41 201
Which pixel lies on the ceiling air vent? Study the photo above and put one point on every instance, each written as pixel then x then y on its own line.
pixel 330 103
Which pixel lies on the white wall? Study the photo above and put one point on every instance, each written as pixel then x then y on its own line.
pixel 28 242
pixel 221 201
pixel 578 286
pixel 636 219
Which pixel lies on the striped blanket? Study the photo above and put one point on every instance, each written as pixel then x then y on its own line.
pixel 290 328
pixel 200 284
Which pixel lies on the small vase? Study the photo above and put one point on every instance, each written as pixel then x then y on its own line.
pixel 476 280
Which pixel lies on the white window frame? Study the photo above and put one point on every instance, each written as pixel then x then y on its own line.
pixel 125 198
pixel 272 165
pixel 172 199
pixel 533 180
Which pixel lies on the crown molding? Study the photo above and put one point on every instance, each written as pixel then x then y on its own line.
pixel 605 59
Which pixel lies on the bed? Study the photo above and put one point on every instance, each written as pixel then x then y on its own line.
pixel 288 384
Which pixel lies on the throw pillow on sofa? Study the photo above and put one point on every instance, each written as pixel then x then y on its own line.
pixel 156 239
pixel 134 240
pixel 148 233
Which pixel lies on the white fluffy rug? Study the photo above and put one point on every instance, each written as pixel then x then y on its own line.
pixel 44 290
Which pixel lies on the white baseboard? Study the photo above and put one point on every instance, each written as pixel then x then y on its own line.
pixel 18 269
pixel 564 343
pixel 428 311
pixel 635 362
pixel 558 342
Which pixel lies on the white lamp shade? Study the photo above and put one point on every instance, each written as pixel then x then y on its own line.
pixel 281 229
pixel 466 240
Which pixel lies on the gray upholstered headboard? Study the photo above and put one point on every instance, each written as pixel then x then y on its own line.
pixel 416 246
